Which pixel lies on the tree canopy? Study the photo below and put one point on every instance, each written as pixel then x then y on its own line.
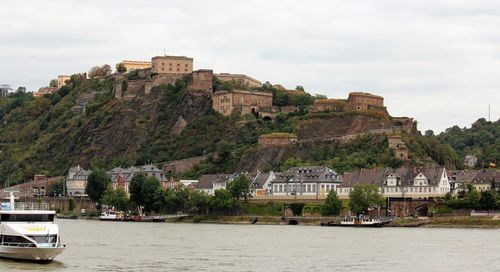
pixel 97 183
pixel 364 197
pixel 332 204
pixel 240 188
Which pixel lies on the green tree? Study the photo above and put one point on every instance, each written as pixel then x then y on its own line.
pixel 56 188
pixel 120 68
pixel 100 71
pixel 198 202
pixel 53 83
pixel 363 197
pixel 135 188
pixel 240 188
pixel 150 189
pixel 488 200
pixel 332 204
pixel 222 199
pixel 97 183
pixel 115 198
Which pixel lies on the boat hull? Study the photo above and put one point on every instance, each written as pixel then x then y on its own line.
pixel 375 225
pixel 30 253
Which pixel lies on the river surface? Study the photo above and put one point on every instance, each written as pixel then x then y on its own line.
pixel 129 246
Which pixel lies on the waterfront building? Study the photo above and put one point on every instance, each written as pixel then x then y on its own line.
pixel 206 183
pixel 121 177
pixel 261 183
pixel 76 181
pixel 306 180
pixel 37 187
pixel 482 180
pixel 405 182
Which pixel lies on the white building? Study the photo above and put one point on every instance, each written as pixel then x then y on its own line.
pixel 408 182
pixel 76 181
pixel 307 180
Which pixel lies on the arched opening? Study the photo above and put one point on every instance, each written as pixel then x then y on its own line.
pixel 422 210
pixel 267 119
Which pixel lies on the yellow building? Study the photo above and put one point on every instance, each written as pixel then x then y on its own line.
pixel 132 65
pixel 240 78
pixel 172 65
pixel 61 80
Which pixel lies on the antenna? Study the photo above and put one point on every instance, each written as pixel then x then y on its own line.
pixel 164 52
pixel 489 113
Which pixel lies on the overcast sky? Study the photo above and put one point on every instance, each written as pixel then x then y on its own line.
pixel 436 61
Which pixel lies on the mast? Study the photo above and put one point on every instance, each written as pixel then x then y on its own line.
pixel 11 201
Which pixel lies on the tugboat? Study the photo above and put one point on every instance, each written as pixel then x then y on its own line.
pixel 361 221
pixel 28 232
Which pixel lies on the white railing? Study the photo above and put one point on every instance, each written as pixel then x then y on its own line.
pixel 31 206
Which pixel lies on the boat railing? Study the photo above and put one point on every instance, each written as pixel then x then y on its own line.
pixel 43 245
pixel 18 244
pixel 31 206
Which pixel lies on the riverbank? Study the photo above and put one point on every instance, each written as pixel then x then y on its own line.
pixel 443 222
pixel 435 222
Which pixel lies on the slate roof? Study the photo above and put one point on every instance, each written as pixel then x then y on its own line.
pixel 260 179
pixel 406 174
pixel 307 174
pixel 474 176
pixel 207 181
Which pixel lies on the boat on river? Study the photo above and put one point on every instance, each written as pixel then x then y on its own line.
pixel 28 232
pixel 111 215
pixel 361 221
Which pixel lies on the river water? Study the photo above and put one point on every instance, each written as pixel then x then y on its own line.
pixel 129 246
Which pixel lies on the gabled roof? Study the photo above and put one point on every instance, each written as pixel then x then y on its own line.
pixel 406 174
pixel 207 181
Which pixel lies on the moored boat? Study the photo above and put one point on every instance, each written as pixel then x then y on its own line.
pixel 111 215
pixel 28 232
pixel 362 221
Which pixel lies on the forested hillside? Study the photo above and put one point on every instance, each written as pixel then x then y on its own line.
pixel 47 136
pixel 482 139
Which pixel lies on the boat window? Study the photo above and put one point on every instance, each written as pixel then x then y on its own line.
pixel 15 239
pixel 27 218
pixel 44 239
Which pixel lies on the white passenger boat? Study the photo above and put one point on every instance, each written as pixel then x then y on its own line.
pixel 362 221
pixel 28 232
pixel 111 215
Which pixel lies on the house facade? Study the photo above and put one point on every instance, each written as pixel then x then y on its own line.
pixel 121 177
pixel 307 180
pixel 405 182
pixel 482 180
pixel 261 183
pixel 76 181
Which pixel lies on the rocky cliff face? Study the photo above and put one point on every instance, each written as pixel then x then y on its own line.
pixel 334 126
